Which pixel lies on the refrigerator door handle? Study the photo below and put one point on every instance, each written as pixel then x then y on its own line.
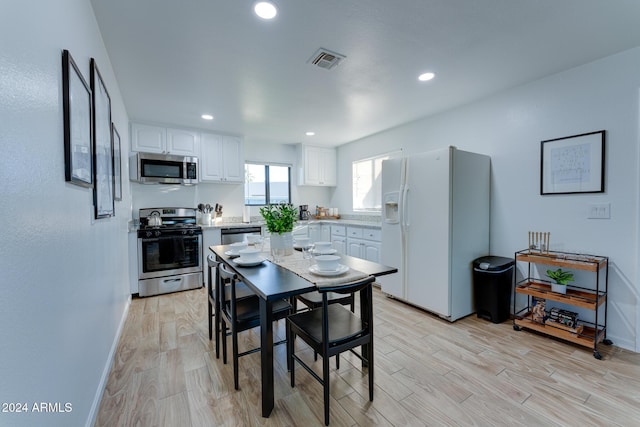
pixel 405 211
pixel 405 193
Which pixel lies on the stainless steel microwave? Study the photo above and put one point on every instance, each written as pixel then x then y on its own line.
pixel 151 168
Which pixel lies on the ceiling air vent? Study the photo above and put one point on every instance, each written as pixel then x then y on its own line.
pixel 326 59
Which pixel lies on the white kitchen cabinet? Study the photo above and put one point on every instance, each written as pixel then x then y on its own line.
pixel 210 237
pixel 339 238
pixel 158 139
pixel 364 243
pixel 221 158
pixel 317 166
pixel 339 244
pixel 319 232
pixel 133 262
pixel 183 142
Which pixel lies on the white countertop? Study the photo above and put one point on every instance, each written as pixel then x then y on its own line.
pixel 355 222
pixel 345 222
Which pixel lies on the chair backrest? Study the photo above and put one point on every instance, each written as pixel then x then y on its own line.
pixel 347 288
pixel 227 278
pixel 363 285
pixel 212 264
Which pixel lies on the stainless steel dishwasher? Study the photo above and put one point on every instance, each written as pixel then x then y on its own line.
pixel 237 234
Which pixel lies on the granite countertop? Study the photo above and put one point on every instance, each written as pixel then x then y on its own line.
pixel 356 222
pixel 237 223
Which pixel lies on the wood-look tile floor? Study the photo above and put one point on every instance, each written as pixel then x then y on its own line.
pixel 428 372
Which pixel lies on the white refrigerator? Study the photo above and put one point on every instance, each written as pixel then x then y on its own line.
pixel 435 222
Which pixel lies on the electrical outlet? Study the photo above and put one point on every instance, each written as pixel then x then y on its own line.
pixel 599 211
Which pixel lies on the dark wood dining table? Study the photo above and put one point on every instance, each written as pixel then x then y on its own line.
pixel 272 282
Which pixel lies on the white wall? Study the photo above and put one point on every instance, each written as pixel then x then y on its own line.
pixel 64 276
pixel 231 196
pixel 509 128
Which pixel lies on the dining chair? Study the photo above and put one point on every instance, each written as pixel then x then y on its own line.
pixel 242 314
pixel 242 291
pixel 313 300
pixel 332 329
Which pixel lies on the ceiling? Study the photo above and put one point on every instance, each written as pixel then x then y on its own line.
pixel 175 60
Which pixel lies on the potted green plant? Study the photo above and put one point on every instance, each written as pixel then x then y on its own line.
pixel 279 220
pixel 561 279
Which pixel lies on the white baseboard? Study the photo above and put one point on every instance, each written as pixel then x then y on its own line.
pixel 95 407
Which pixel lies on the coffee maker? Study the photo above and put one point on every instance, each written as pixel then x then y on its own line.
pixel 303 212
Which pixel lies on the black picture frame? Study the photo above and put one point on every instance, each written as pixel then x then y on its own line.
pixel 117 164
pixel 103 196
pixel 573 164
pixel 78 124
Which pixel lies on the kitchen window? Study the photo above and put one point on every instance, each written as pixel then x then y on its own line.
pixel 367 182
pixel 266 184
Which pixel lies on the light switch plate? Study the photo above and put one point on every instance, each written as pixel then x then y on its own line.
pixel 599 211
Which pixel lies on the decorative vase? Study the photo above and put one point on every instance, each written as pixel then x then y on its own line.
pixel 282 241
pixel 560 289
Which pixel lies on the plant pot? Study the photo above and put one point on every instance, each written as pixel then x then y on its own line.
pixel 282 241
pixel 557 288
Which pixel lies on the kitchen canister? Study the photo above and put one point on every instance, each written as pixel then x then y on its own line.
pixel 206 219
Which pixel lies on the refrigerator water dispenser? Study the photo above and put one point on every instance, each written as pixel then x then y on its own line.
pixel 391 211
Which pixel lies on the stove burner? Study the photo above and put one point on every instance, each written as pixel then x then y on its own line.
pixel 175 221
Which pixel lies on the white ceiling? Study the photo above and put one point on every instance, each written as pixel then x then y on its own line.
pixel 177 59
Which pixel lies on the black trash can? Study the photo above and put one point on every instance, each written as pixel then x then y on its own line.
pixel 492 279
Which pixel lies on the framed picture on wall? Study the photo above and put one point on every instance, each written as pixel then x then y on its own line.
pixel 103 195
pixel 78 125
pixel 117 164
pixel 573 164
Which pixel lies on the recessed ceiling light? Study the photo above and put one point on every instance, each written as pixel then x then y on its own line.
pixel 265 10
pixel 425 77
pixel 207 116
pixel 310 133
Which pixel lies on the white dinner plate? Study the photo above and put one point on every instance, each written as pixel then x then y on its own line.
pixel 231 254
pixel 341 270
pixel 249 263
pixel 324 252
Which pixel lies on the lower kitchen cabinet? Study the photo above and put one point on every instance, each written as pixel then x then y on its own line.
pixel 210 237
pixel 339 238
pixel 339 244
pixel 319 232
pixel 364 249
pixel 364 243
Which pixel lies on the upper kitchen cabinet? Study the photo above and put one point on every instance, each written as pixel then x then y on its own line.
pixel 221 158
pixel 157 139
pixel 317 165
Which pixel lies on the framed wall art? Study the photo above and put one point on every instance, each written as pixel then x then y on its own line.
pixel 78 125
pixel 573 164
pixel 117 164
pixel 102 146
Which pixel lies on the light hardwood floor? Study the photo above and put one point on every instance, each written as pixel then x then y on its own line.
pixel 428 372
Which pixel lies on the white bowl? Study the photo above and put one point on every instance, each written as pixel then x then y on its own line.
pixel 237 247
pixel 302 242
pixel 327 262
pixel 322 246
pixel 252 239
pixel 249 255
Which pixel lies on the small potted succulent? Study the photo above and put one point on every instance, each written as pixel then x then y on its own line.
pixel 280 220
pixel 560 279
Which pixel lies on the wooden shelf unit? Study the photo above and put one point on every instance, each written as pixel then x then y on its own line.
pixel 591 333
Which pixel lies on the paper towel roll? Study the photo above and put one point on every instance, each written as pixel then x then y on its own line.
pixel 246 214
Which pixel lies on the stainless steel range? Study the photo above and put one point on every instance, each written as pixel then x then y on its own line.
pixel 169 251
